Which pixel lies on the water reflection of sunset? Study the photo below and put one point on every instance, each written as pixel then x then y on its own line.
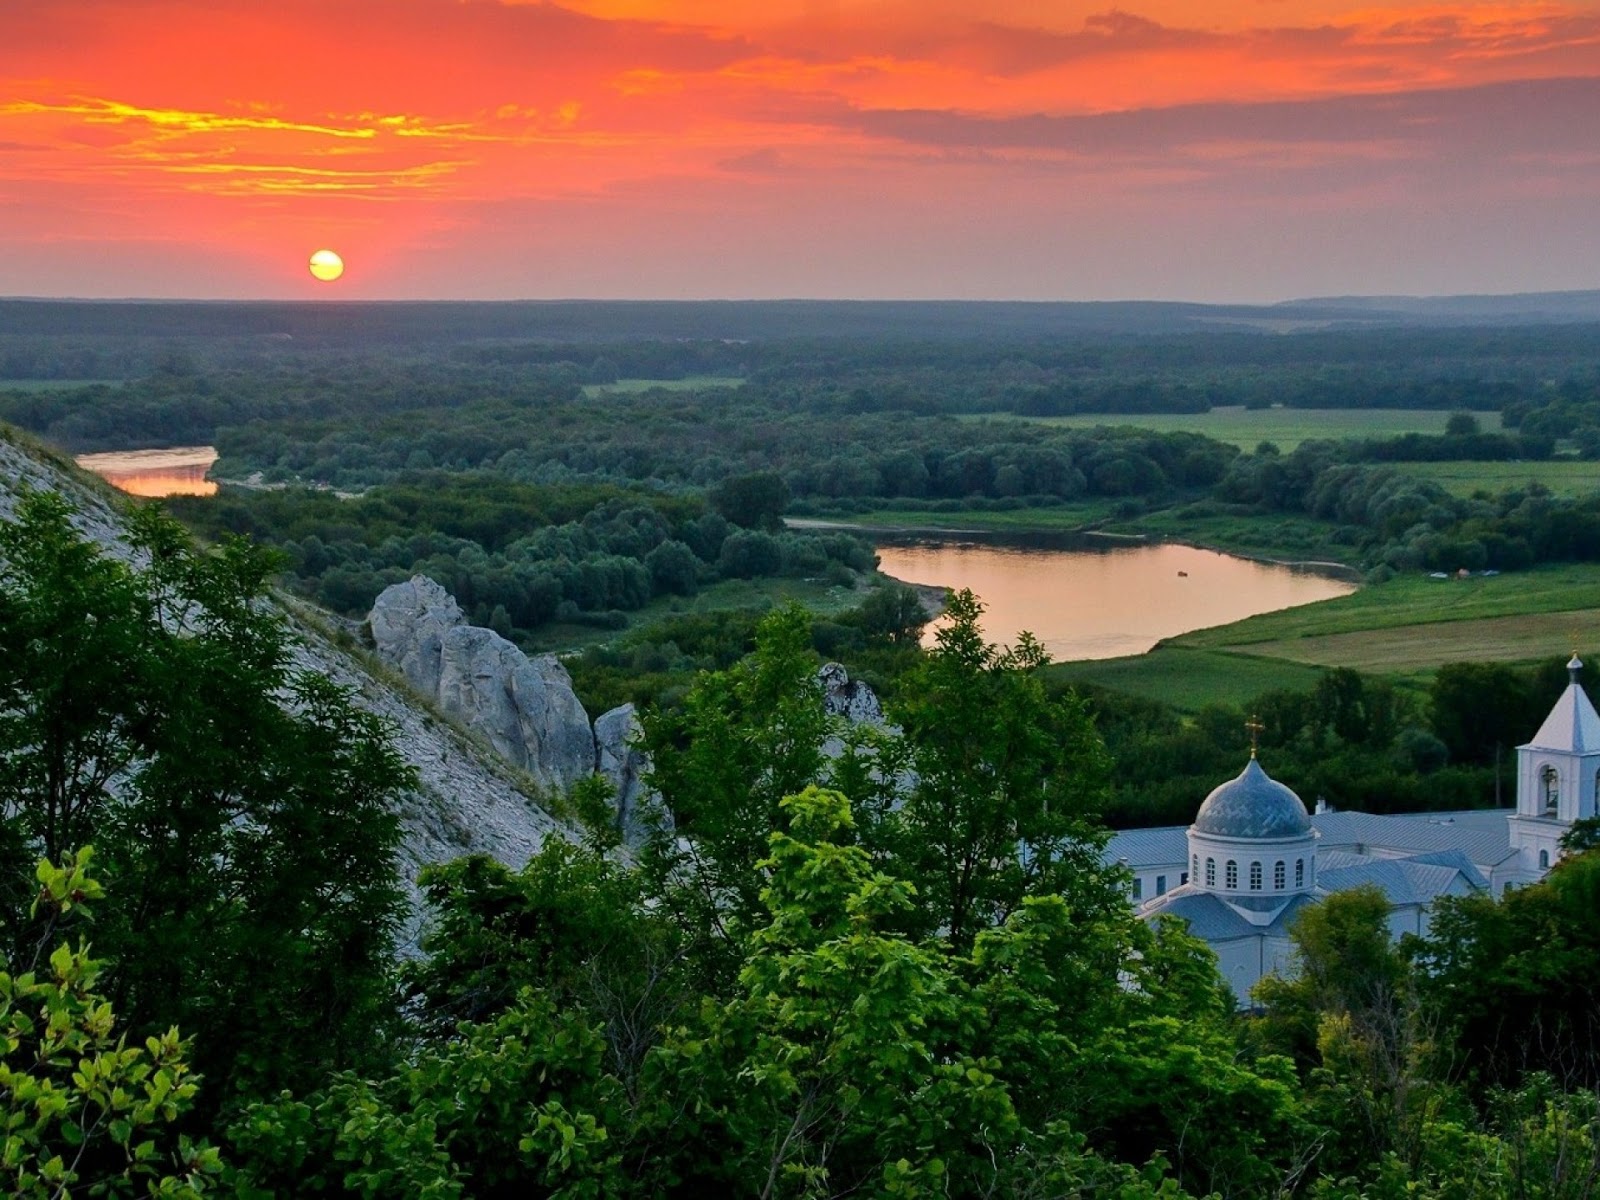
pixel 180 471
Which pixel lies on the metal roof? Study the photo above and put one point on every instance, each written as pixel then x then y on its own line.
pixel 1573 726
pixel 1214 919
pixel 1483 836
pixel 1253 805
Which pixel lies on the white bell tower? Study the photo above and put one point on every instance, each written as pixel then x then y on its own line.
pixel 1556 777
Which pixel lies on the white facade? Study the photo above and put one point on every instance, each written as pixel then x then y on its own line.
pixel 1254 857
pixel 1556 780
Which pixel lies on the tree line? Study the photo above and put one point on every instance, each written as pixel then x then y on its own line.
pixel 888 961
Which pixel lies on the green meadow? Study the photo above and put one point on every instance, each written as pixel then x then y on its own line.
pixel 1285 427
pixel 634 387
pixel 1189 678
pixel 1563 476
pixel 52 385
pixel 1404 629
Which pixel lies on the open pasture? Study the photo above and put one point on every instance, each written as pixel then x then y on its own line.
pixel 1563 476
pixel 634 387
pixel 52 385
pixel 1411 649
pixel 1188 678
pixel 1417 600
pixel 1285 427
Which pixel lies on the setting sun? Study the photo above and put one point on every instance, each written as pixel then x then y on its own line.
pixel 326 265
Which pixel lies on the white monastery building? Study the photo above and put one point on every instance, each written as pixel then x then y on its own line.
pixel 1254 856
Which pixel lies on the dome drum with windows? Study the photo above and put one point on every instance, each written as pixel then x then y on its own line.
pixel 1253 835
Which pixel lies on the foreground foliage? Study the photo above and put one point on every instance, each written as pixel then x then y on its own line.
pixel 885 964
pixel 80 1109
pixel 242 809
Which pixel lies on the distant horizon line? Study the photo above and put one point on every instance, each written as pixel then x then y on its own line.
pixel 1342 298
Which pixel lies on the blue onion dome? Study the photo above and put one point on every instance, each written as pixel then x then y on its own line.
pixel 1254 805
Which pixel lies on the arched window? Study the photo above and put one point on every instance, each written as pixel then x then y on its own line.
pixel 1211 872
pixel 1544 860
pixel 1299 872
pixel 1255 877
pixel 1232 869
pixel 1279 876
pixel 1194 865
pixel 1551 782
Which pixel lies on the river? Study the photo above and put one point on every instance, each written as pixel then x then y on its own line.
pixel 1082 596
pixel 1089 597
pixel 179 471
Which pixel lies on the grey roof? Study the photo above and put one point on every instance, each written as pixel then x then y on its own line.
pixel 1573 727
pixel 1457 860
pixel 1483 836
pixel 1213 919
pixel 1253 805
pixel 1402 880
pixel 1150 847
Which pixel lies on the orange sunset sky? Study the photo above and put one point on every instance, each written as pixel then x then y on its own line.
pixel 1239 150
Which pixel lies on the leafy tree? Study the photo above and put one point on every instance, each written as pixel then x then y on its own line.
pixel 573 924
pixel 518 1106
pixel 825 1073
pixel 743 740
pixel 1478 706
pixel 1352 1017
pixel 1583 836
pixel 1007 782
pixel 243 810
pixel 82 1110
pixel 893 613
pixel 1513 981
pixel 673 569
pixel 752 501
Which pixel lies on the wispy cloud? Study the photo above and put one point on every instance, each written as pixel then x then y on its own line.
pixel 401 122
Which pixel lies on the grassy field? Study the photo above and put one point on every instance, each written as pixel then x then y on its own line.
pixel 1404 629
pixel 1416 600
pixel 1066 518
pixel 1189 678
pixel 1564 477
pixel 632 387
pixel 1287 427
pixel 51 385
pixel 1418 649
pixel 818 596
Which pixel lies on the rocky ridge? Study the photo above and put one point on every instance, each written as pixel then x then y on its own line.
pixel 465 802
pixel 523 707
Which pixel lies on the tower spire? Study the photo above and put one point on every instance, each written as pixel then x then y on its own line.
pixel 1574 667
pixel 1254 727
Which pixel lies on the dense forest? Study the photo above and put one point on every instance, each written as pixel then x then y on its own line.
pixel 897 968
pixel 859 960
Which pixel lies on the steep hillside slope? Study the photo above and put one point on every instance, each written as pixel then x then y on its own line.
pixel 467 800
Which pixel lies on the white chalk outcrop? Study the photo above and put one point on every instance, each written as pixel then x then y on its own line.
pixel 524 707
pixel 621 759
pixel 465 802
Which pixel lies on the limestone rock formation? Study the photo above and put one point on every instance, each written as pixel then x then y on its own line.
pixel 526 708
pixel 464 802
pixel 623 762
pixel 408 622
pixel 851 699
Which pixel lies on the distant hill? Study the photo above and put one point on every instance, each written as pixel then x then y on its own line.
pixel 1517 309
pixel 366 322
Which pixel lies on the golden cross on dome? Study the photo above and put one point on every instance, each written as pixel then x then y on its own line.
pixel 1254 726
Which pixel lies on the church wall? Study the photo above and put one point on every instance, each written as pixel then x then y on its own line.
pixel 1243 961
